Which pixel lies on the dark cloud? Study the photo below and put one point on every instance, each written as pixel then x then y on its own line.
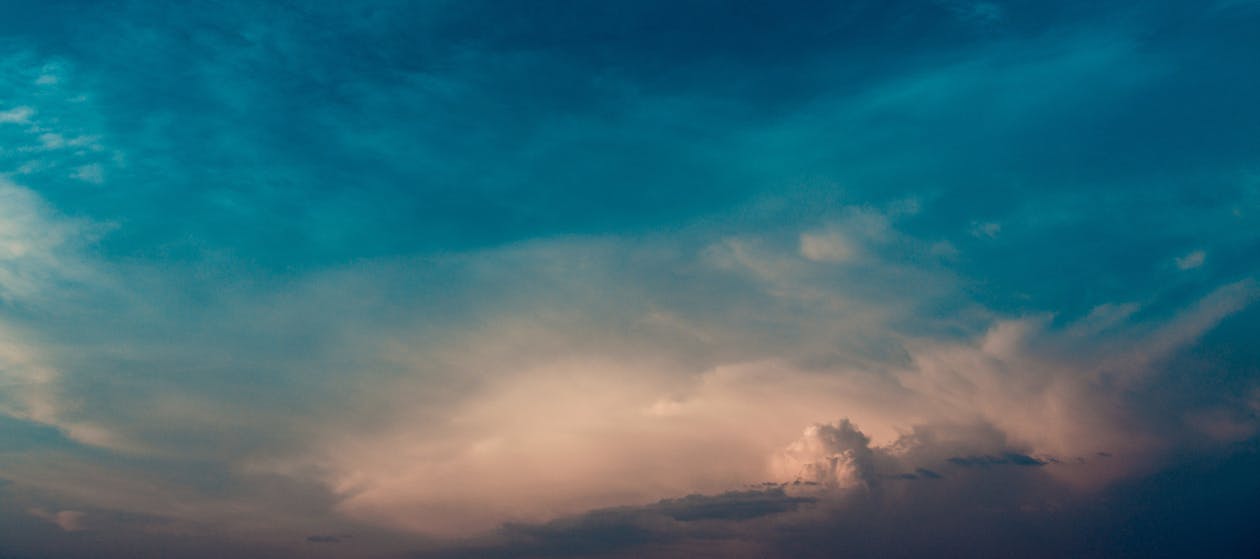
pixel 927 474
pixel 1011 458
pixel 684 521
pixel 736 505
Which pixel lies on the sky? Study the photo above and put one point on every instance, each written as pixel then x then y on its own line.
pixel 650 279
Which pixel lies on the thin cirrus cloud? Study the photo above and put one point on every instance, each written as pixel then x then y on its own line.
pixel 780 282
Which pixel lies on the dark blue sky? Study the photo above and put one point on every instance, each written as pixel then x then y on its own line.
pixel 515 279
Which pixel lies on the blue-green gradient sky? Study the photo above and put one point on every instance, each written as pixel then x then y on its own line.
pixel 629 279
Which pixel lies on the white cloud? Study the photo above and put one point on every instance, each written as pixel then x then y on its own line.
pixel 1191 261
pixel 51 140
pixel 49 122
pixel 830 246
pixel 39 259
pixel 986 229
pixel 832 456
pixel 36 247
pixel 16 115
pixel 855 232
pixel 92 173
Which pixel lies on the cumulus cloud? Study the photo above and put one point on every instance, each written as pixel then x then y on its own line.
pixel 829 455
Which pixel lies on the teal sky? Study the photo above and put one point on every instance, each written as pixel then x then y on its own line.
pixel 629 279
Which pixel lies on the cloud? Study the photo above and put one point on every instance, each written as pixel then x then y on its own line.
pixel 67 520
pixel 1190 261
pixel 829 455
pixel 696 523
pixel 16 115
pixel 732 505
pixel 90 173
pixel 1023 393
pixel 1002 511
pixel 988 230
pixel 858 230
pixel 41 260
pixel 828 247
pixel 1011 458
pixel 37 249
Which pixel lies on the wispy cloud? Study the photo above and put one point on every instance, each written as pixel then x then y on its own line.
pixel 1191 260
